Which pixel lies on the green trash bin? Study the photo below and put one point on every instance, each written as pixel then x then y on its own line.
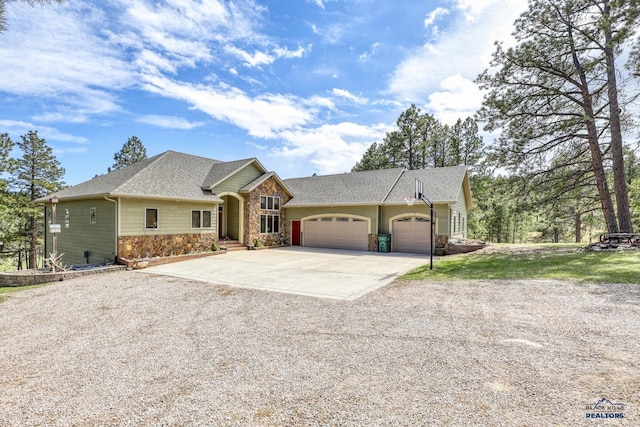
pixel 384 242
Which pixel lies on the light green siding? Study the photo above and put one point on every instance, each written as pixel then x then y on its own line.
pixel 78 234
pixel 296 214
pixel 173 217
pixel 238 180
pixel 441 213
pixel 459 217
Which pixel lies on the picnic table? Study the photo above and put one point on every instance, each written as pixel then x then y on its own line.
pixel 620 238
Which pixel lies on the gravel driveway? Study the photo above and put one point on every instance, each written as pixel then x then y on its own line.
pixel 129 348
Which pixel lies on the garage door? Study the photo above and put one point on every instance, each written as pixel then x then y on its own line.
pixel 336 232
pixel 411 234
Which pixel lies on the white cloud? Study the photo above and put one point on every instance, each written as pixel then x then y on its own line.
pixel 474 9
pixel 257 146
pixel 49 133
pixel 372 51
pixel 169 122
pixel 62 60
pixel 286 53
pixel 261 58
pixel 252 60
pixel 464 49
pixel 331 148
pixel 434 15
pixel 261 116
pixel 342 93
pixel 457 98
pixel 318 3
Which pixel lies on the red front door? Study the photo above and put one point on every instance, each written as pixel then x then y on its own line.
pixel 295 233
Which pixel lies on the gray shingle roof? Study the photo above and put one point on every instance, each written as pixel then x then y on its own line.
pixel 385 186
pixel 356 188
pixel 167 175
pixel 440 185
pixel 180 176
pixel 256 182
pixel 223 170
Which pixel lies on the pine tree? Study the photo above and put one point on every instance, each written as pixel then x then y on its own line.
pixel 132 152
pixel 552 91
pixel 37 174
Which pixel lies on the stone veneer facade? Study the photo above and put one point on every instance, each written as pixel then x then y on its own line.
pixel 141 247
pixel 373 243
pixel 252 212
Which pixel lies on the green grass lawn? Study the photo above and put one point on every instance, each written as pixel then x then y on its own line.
pixel 4 291
pixel 562 262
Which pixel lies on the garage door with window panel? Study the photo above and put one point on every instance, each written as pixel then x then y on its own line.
pixel 337 233
pixel 411 234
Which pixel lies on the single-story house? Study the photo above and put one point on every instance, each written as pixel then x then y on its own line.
pixel 176 203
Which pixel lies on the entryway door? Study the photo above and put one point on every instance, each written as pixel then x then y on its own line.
pixel 295 233
pixel 411 234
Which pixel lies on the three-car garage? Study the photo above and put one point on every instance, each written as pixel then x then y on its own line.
pixel 410 234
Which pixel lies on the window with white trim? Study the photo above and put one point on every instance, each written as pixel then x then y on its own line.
pixel 269 224
pixel 270 203
pixel 151 218
pixel 92 216
pixel 201 219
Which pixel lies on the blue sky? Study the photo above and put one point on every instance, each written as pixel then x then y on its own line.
pixel 303 85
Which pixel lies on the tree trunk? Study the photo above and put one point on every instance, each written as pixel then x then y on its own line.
pixel 33 242
pixel 578 225
pixel 594 146
pixel 619 179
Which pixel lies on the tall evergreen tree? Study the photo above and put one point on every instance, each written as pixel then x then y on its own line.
pixel 550 91
pixel 37 174
pixel 421 141
pixel 617 21
pixel 132 152
pixel 7 228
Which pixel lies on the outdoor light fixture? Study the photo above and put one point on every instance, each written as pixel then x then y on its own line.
pixel 419 195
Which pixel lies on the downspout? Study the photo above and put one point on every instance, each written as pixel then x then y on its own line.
pixel 116 225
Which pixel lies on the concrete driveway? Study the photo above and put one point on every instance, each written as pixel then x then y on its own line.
pixel 324 273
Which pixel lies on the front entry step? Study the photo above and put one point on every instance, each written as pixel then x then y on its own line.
pixel 231 245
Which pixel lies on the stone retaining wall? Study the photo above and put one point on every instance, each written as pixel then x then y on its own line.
pixel 452 248
pixel 37 277
pixel 164 245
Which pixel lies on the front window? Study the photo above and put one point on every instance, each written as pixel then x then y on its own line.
pixel 151 218
pixel 269 224
pixel 270 203
pixel 201 219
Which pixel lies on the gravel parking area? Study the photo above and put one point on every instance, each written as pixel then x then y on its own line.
pixel 128 348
